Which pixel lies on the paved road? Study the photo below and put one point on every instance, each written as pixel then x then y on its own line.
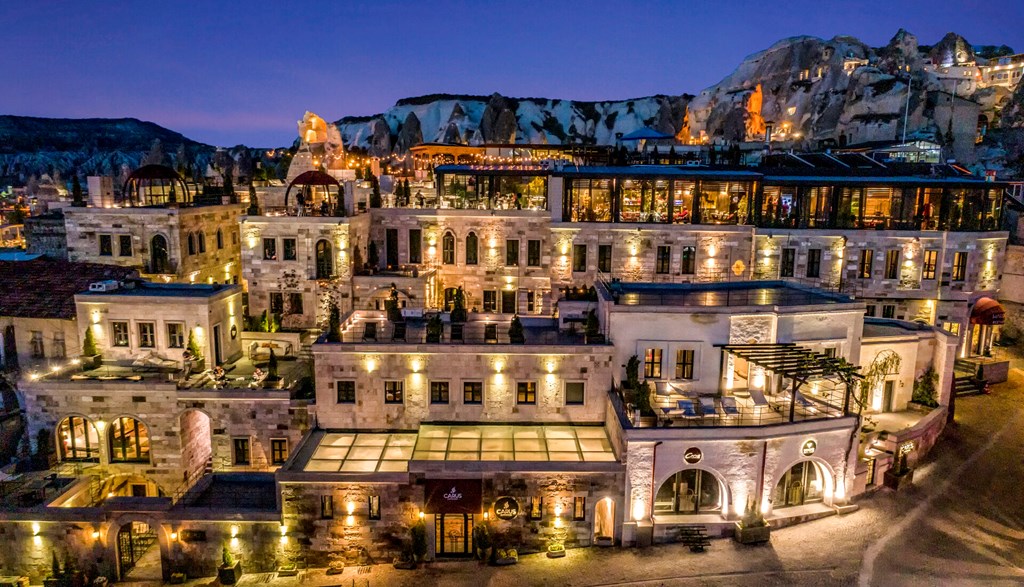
pixel 961 524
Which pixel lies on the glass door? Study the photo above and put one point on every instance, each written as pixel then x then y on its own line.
pixel 453 534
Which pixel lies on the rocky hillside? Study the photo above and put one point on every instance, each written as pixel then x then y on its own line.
pixel 34 146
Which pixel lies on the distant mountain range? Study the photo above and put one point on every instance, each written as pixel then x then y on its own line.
pixel 838 90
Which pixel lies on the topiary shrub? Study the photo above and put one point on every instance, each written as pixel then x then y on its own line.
pixel 925 389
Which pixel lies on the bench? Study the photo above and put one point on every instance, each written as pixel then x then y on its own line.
pixel 260 350
pixel 695 536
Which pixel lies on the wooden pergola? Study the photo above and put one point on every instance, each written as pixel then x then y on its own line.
pixel 799 364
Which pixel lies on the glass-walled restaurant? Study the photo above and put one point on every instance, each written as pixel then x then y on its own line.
pixel 880 203
pixel 491 188
pixel 668 195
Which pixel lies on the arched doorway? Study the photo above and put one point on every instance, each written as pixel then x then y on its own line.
pixel 324 262
pixel 138 552
pixel 986 317
pixel 448 249
pixel 604 521
pixel 78 440
pixel 158 261
pixel 803 483
pixel 690 491
pixel 129 441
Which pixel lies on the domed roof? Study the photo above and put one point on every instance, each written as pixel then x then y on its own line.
pixel 314 177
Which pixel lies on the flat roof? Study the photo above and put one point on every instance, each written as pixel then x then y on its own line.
pixel 876 327
pixel 391 452
pixel 168 290
pixel 743 293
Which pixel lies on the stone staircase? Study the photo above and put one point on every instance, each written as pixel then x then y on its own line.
pixel 965 379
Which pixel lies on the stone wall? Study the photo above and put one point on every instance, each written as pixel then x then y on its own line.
pixel 60 339
pixel 46 235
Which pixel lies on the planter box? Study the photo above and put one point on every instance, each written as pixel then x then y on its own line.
pixel 229 575
pixel 897 482
pixel 752 534
pixel 336 568
pixel 178 578
pixel 556 553
pixel 405 565
pixel 91 362
pixel 604 541
pixel 287 571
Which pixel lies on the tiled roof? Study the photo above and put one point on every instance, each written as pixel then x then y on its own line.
pixel 44 288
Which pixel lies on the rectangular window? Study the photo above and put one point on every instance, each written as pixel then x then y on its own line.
pixel 867 257
pixel 888 311
pixel 270 249
pixel 959 266
pixel 579 508
pixel 929 264
pixel 663 260
pixel 278 451
pixel 533 253
pixel 220 239
pixel 326 507
pixel 472 392
pixel 491 333
pixel 175 335
pixel 59 348
pixel 684 364
pixel 526 392
pixel 688 261
pixel 120 333
pixel 373 510
pixel 813 262
pixel 830 352
pixel 276 303
pixel 241 451
pixel 38 350
pixel 952 328
pixel 788 265
pixel 415 245
pixel 652 363
pixel 579 258
pixel 106 245
pixel 536 508
pixel 604 258
pixel 124 245
pixel 438 392
pixel 531 302
pixel 295 303
pixel 574 393
pixel 892 264
pixel 147 335
pixel 290 252
pixel 870 310
pixel 346 392
pixel 490 301
pixel 393 392
pixel 512 253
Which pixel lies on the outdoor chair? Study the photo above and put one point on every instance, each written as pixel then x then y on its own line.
pixel 707 406
pixel 686 408
pixel 729 406
pixel 758 398
pixel 370 332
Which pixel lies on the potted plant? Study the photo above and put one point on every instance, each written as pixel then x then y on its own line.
pixel 288 570
pixel 333 324
pixel 230 570
pixel 418 534
pixel 434 329
pixel 273 380
pixel 752 528
pixel 91 358
pixel 394 313
pixel 592 330
pixel 194 354
pixel 516 335
pixel 900 475
pixel 56 577
pixel 482 541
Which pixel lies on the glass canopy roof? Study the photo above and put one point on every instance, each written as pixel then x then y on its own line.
pixel 353 452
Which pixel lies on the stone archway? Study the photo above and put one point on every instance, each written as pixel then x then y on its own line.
pixel 139 548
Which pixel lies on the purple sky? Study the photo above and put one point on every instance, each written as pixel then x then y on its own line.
pixel 227 74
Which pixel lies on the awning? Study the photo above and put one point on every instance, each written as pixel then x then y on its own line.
pixel 987 312
pixel 453 496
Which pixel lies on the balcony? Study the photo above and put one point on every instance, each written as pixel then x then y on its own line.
pixel 372 327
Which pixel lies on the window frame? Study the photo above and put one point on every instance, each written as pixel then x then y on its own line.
pixel 512 252
pixel 294 244
pixel 269 246
pixel 114 338
pixel 472 249
pixel 415 245
pixel 151 335
pixel 653 357
pixel 929 264
pixel 436 394
pixel 397 390
pixel 688 260
pixel 958 270
pixel 663 260
pixel 787 262
pixel 245 444
pixel 813 263
pixel 467 392
pixel 276 451
pixel 122 239
pixel 327 507
pixel 865 263
pixel 448 249
pixel 106 245
pixel 604 258
pixel 345 396
pixel 583 392
pixel 175 340
pixel 579 258
pixel 533 255
pixel 892 263
pixel 686 362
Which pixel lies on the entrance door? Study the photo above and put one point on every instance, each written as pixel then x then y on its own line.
pixel 391 247
pixel 887 395
pixel 217 352
pixel 801 484
pixel 508 302
pixel 158 255
pixel 453 534
pixel 133 540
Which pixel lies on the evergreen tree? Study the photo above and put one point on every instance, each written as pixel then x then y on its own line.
pixel 272 366
pixel 391 305
pixel 76 191
pixel 372 257
pixel 375 201
pixel 516 334
pixel 333 324
pixel 89 344
pixel 193 346
pixel 459 314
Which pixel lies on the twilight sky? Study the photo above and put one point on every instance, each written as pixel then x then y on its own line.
pixel 227 73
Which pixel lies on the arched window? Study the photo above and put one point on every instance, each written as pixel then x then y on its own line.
pixel 77 440
pixel 202 241
pixel 471 249
pixel 191 243
pixel 801 484
pixel 693 491
pixel 129 441
pixel 220 239
pixel 324 261
pixel 158 255
pixel 448 249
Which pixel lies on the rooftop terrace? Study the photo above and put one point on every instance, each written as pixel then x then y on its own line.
pixel 736 294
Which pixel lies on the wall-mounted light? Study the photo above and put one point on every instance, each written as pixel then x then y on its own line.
pixel 350 507
pixel 174 536
pixel 234 531
pixel 35 528
pixel 96 535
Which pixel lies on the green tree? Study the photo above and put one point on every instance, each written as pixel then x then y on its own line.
pixel 89 343
pixel 516 334
pixel 391 305
pixel 435 327
pixel 333 324
pixel 193 346
pixel 272 366
pixel 254 205
pixel 76 191
pixel 459 314
pixel 17 216
pixel 593 326
pixel 375 201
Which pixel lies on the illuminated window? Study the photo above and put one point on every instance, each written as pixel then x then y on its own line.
pixel 326 507
pixel 439 392
pixel 393 392
pixel 77 440
pixel 684 364
pixel 536 508
pixel 448 249
pixel 472 392
pixel 652 363
pixel 278 451
pixel 867 257
pixel 579 508
pixel 374 507
pixel 526 392
pixel 959 266
pixel 663 260
pixel 688 261
pixel 120 333
pixel 147 335
pixel 929 264
pixel 129 441
pixel 324 260
pixel 175 335
pixel 269 248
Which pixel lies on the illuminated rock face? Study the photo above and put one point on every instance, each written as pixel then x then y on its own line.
pixel 320 147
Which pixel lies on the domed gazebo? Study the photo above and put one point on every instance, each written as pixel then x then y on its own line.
pixel 155 185
pixel 314 196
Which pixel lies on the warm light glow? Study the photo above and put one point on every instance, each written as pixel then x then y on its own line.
pixel 110 494
pixel 712 250
pixel 174 535
pixel 350 520
pixel 558 510
pixel 370 365
pixel 486 515
pixel 284 529
pixel 35 528
pixel 421 515
pixel 415 365
pixel 350 507
pixel 33 376
pixel 37 540
pixel 639 507
pixel 234 531
pixel 96 535
pixel 498 366
pixel 76 361
pixel 100 425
